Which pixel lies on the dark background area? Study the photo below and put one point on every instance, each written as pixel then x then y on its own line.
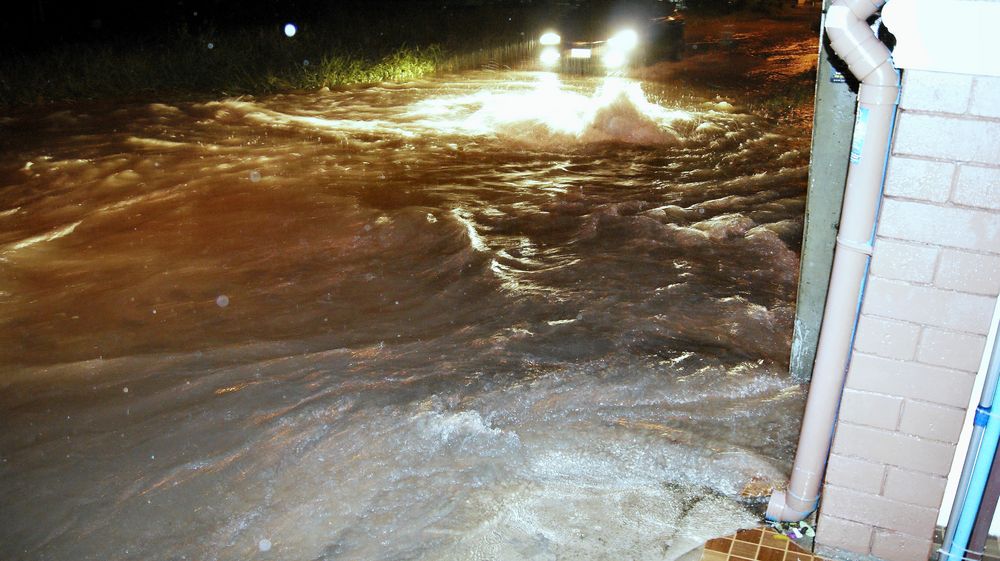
pixel 37 25
pixel 40 24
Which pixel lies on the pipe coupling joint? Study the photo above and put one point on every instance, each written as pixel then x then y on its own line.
pixel 864 248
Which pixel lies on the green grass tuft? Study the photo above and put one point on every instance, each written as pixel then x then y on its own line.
pixel 233 63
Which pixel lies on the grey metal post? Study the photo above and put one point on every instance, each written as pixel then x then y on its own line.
pixel 833 126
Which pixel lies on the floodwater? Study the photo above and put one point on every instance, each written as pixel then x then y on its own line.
pixel 504 316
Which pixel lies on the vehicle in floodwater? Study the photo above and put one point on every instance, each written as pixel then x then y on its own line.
pixel 594 36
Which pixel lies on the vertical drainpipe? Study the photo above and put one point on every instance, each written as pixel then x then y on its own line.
pixel 869 60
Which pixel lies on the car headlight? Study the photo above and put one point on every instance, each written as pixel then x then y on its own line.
pixel 624 40
pixel 550 38
pixel 615 58
pixel 550 56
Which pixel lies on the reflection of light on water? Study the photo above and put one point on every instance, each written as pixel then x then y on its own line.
pixel 549 108
pixel 540 111
pixel 474 239
pixel 46 237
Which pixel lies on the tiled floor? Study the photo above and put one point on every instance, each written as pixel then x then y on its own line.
pixel 755 545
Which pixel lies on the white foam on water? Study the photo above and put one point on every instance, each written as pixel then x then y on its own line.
pixel 46 237
pixel 549 113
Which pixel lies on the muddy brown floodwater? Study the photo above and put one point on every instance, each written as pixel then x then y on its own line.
pixel 489 316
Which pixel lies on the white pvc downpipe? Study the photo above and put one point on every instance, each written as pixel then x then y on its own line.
pixel 869 60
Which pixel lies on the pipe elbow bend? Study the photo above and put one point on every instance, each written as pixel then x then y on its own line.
pixel 778 509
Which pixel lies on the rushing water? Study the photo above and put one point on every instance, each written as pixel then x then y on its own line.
pixel 497 317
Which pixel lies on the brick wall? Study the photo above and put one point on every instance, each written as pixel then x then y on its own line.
pixel 931 292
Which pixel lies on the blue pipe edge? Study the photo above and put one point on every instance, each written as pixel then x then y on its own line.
pixel 977 483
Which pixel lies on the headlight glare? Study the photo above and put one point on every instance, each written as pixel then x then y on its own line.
pixel 550 56
pixel 550 38
pixel 624 40
pixel 615 58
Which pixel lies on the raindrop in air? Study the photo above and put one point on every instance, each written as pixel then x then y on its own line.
pixel 290 30
pixel 264 545
pixel 222 301
pixel 305 62
pixel 211 45
pixel 255 176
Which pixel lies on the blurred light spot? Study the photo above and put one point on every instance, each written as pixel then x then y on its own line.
pixel 550 38
pixel 264 545
pixel 305 62
pixel 614 59
pixel 549 56
pixel 125 389
pixel 625 40
pixel 211 45
pixel 290 30
pixel 255 176
pixel 222 301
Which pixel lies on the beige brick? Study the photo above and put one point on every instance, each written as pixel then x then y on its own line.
pixel 870 409
pixel 932 421
pixel 936 91
pixel 904 261
pixel 910 379
pixel 915 521
pixel 886 337
pixel 969 272
pixel 958 311
pixel 978 186
pixel 940 225
pixel 914 488
pixel 986 97
pixel 856 474
pixel 843 534
pixel 893 448
pixel 948 138
pixel 893 546
pixel 958 351
pixel 919 179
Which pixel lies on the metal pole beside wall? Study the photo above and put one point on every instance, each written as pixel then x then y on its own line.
pixel 833 125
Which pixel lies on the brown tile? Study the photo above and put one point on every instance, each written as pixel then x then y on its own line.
pixel 795 548
pixel 770 554
pixel 744 549
pixel 752 536
pixel 719 544
pixel 709 555
pixel 739 559
pixel 774 540
pixel 792 556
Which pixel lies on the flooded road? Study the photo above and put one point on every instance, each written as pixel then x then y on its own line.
pixel 508 316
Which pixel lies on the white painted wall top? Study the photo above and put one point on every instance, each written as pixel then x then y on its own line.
pixel 956 36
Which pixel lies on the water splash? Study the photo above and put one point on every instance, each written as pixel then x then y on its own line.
pixel 550 113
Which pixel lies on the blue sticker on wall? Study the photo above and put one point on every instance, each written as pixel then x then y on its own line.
pixel 860 132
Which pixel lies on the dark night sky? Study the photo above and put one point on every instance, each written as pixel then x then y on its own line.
pixel 33 24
